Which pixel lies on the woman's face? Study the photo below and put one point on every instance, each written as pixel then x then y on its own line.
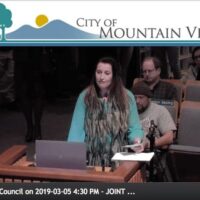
pixel 103 75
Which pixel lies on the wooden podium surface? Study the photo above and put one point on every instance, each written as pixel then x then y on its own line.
pixel 15 168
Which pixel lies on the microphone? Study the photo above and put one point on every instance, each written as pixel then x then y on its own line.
pixel 151 134
pixel 152 126
pixel 151 137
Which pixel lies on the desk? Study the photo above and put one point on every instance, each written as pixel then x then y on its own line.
pixel 15 168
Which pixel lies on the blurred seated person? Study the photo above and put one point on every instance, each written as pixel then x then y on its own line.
pixel 7 90
pixel 193 72
pixel 160 89
pixel 29 80
pixel 105 115
pixel 168 55
pixel 162 134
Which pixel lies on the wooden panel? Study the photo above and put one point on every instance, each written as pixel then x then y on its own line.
pixel 18 171
pixel 12 154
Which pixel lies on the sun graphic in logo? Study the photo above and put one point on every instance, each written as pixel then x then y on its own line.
pixel 41 20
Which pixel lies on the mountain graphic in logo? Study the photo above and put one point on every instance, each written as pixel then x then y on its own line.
pixel 54 30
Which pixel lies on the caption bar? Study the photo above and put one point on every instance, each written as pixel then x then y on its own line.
pixel 74 190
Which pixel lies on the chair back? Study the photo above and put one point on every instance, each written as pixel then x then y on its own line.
pixel 172 106
pixel 192 90
pixel 183 158
pixel 189 124
pixel 137 80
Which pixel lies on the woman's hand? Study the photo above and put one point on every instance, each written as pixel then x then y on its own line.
pixel 138 146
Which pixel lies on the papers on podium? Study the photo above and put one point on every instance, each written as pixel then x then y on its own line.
pixel 145 157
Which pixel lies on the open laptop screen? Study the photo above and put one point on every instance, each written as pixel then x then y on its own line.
pixel 60 154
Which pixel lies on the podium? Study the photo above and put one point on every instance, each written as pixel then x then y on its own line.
pixel 15 168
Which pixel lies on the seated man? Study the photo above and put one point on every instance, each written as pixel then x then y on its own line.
pixel 148 112
pixel 151 70
pixel 193 71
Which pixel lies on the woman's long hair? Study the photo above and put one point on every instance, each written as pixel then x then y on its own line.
pixel 117 89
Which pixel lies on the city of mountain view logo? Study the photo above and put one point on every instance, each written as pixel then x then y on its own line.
pixel 45 30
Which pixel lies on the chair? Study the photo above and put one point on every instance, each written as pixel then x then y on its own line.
pixel 136 80
pixel 189 124
pixel 172 106
pixel 184 158
pixel 192 90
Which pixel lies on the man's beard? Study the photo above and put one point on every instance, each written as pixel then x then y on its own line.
pixel 142 109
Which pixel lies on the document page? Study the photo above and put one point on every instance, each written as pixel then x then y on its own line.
pixel 133 156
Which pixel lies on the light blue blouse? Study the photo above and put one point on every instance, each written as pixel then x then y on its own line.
pixel 77 132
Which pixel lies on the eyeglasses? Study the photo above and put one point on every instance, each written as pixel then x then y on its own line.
pixel 148 71
pixel 196 57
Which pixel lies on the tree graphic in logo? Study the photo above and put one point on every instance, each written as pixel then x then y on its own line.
pixel 5 20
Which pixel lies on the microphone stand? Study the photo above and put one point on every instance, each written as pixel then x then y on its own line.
pixel 151 137
pixel 103 164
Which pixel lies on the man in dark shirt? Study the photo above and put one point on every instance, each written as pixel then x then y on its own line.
pixel 160 89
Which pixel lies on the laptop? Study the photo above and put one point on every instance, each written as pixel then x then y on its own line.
pixel 60 154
